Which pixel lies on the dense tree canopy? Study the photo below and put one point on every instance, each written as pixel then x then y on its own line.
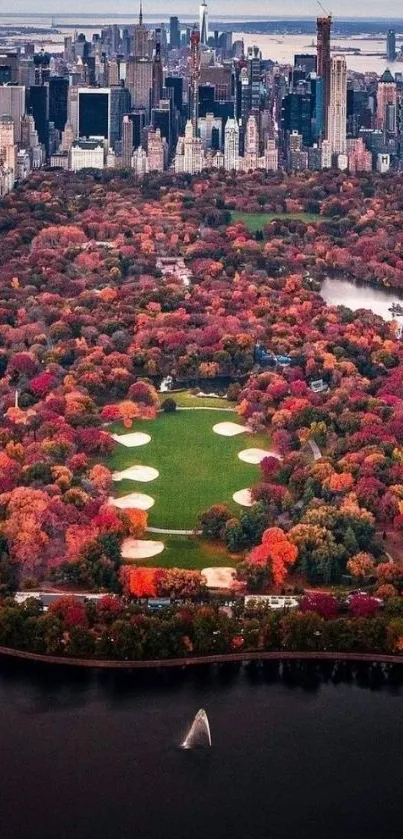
pixel 89 324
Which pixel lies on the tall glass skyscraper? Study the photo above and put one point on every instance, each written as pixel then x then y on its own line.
pixel 203 23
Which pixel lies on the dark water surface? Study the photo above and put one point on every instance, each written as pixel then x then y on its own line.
pixel 96 756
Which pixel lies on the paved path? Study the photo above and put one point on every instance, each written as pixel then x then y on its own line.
pixel 169 532
pixel 242 658
pixel 205 408
pixel 317 454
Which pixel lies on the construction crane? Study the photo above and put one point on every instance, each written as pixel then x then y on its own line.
pixel 321 6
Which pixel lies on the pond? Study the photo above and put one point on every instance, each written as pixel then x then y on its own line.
pixel 337 291
pixel 311 752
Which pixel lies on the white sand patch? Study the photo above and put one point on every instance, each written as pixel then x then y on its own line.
pixel 219 577
pixel 229 429
pixel 244 498
pixel 136 473
pixel 256 455
pixel 134 500
pixel 136 438
pixel 141 548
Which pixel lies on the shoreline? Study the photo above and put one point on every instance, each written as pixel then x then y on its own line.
pixel 227 658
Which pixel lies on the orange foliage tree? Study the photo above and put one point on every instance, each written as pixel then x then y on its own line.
pixel 275 552
pixel 361 565
pixel 143 582
pixel 137 522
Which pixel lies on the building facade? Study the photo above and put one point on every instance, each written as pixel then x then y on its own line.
pixel 337 111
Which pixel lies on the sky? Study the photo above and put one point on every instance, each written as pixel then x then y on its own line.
pixel 339 8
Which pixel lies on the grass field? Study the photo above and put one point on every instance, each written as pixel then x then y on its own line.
pixel 257 221
pixel 197 467
pixel 186 399
pixel 191 552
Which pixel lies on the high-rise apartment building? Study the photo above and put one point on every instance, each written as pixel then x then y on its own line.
pixel 127 141
pixel 323 28
pixel 386 103
pixel 271 156
pixel 359 158
pixel 8 148
pixel 337 111
pixel 210 130
pixel 231 145
pixel 194 72
pixel 254 72
pixel 155 151
pixel 251 144
pixel 140 162
pixel 189 155
pixel 12 103
pixel 112 72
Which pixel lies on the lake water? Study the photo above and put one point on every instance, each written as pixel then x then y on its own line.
pixel 97 757
pixel 341 292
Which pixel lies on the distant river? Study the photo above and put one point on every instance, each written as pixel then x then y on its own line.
pixel 341 292
pixel 97 757
pixel 282 48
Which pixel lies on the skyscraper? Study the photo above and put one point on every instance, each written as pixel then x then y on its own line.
pixel 231 145
pixel 194 79
pixel 251 143
pixel 139 80
pixel 127 141
pixel 174 33
pixel 175 83
pixel 94 112
pixel 119 105
pixel 12 102
pixel 386 98
pixel 58 95
pixel 38 105
pixel 189 155
pixel 140 38
pixel 337 111
pixel 158 77
pixel 254 72
pixel 8 149
pixel 155 151
pixel 391 45
pixel 203 23
pixel 323 26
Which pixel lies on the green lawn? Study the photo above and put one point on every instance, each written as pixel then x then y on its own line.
pixel 257 221
pixel 197 467
pixel 186 399
pixel 191 552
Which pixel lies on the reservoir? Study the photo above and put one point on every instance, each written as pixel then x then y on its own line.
pixel 341 292
pixel 311 751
